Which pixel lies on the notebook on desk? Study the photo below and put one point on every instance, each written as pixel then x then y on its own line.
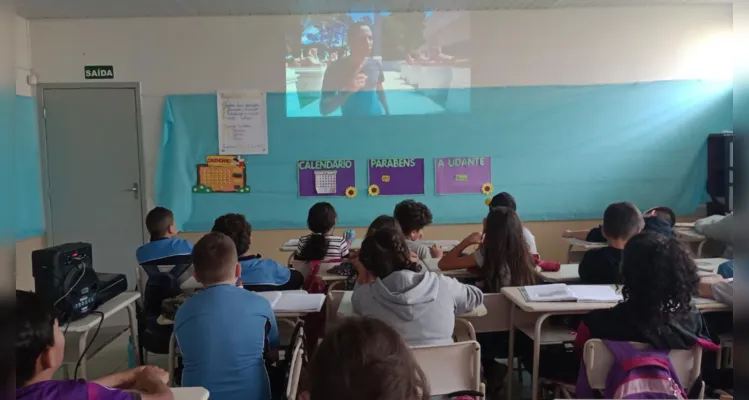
pixel 299 302
pixel 562 292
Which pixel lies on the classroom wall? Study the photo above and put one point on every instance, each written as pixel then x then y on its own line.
pixel 511 48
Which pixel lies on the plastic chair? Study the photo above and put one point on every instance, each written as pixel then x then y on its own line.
pixel 296 369
pixel 598 361
pixel 451 368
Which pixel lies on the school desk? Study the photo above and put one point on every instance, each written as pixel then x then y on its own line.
pixel 82 327
pixel 346 309
pixel 544 310
pixel 568 273
pixel 446 245
pixel 190 393
pixel 690 236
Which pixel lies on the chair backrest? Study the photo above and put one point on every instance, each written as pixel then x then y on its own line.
pixel 497 315
pixel 295 370
pixel 598 361
pixel 304 268
pixel 141 278
pixel 450 368
pixel 334 298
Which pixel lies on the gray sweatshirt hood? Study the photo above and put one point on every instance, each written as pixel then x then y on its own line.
pixel 407 294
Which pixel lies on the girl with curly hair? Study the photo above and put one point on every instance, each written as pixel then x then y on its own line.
pixel 421 305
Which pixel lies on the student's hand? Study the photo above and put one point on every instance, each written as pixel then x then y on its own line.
pixel 149 375
pixel 413 257
pixel 474 238
pixel 436 251
pixel 356 83
pixel 705 288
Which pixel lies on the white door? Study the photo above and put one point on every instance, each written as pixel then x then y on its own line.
pixel 93 173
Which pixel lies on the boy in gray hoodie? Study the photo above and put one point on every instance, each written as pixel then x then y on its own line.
pixel 420 305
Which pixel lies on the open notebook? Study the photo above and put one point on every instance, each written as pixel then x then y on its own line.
pixel 564 292
pixel 294 301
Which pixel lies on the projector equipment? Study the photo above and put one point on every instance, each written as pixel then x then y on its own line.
pixel 64 276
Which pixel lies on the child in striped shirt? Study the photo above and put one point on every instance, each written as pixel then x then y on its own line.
pixel 321 244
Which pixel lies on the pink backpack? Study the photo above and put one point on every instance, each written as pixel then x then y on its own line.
pixel 637 374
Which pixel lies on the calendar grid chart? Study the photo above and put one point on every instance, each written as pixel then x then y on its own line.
pixel 320 178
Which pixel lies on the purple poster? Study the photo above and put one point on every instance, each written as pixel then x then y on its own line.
pixel 325 177
pixel 462 174
pixel 396 176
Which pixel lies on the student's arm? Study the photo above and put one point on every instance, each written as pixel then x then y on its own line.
pixel 580 235
pixel 454 259
pixel 151 383
pixel 466 297
pixel 383 98
pixel 530 240
pixel 716 227
pixel 586 268
pixel 120 380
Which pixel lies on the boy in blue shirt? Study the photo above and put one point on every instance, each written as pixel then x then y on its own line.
pixel 165 248
pixel 223 329
pixel 258 274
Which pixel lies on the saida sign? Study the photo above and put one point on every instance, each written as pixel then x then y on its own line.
pixel 99 71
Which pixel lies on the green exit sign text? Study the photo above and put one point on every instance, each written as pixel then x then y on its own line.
pixel 99 72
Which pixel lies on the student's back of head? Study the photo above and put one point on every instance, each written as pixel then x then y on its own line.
pixel 504 199
pixel 236 227
pixel 659 278
pixel 39 344
pixel 215 259
pixel 365 359
pixel 413 217
pixel 621 221
pixel 160 223
pixel 321 220
pixel 386 251
pixel 507 260
pixel 383 222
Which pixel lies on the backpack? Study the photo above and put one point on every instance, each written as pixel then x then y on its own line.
pixel 160 286
pixel 641 374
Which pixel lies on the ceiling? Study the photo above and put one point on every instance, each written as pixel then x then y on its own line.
pixel 173 8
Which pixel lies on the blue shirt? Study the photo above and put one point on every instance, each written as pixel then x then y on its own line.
pixel 162 249
pixel 258 271
pixel 364 102
pixel 221 333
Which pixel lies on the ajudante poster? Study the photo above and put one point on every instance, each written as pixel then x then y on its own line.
pixel 222 174
pixel 455 175
pixel 326 177
pixel 396 176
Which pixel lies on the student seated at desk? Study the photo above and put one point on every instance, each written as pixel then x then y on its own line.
pixel 719 228
pixel 505 199
pixel 321 244
pixel 39 350
pixel 258 274
pixel 657 219
pixel 659 278
pixel 413 217
pixel 223 329
pixel 364 359
pixel 421 305
pixel 165 248
pixel 621 221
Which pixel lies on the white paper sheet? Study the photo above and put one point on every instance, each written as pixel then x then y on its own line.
pixel 272 297
pixel 555 292
pixel 325 182
pixel 595 293
pixel 242 125
pixel 300 302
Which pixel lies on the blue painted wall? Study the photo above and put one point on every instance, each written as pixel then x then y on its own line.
pixel 564 152
pixel 29 214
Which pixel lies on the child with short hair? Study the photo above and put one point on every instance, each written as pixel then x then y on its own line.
pixel 321 244
pixel 258 274
pixel 223 330
pixel 413 217
pixel 164 246
pixel 621 221
pixel 659 219
pixel 505 199
pixel 39 349
pixel 365 359
pixel 421 305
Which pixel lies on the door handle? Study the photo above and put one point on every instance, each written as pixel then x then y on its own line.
pixel 134 189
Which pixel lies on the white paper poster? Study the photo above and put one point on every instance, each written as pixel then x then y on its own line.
pixel 325 182
pixel 242 126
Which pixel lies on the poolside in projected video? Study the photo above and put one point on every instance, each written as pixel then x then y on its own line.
pixel 369 64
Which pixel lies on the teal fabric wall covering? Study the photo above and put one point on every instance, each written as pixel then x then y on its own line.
pixel 565 152
pixel 29 211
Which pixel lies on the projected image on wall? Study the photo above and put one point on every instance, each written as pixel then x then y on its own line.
pixel 369 64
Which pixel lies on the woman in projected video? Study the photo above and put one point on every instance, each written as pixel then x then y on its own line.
pixel 354 82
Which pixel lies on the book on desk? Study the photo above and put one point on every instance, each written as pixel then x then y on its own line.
pixel 563 292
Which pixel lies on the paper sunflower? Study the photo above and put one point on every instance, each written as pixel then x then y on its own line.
pixel 488 201
pixel 487 188
pixel 351 192
pixel 373 190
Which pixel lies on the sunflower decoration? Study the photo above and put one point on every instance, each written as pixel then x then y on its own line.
pixel 373 190
pixel 351 192
pixel 488 201
pixel 487 188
